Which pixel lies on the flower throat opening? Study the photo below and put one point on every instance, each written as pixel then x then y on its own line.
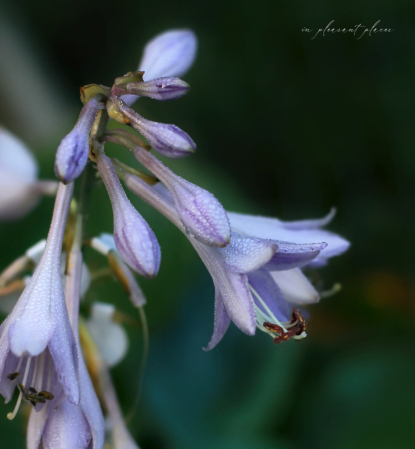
pixel 279 330
pixel 29 393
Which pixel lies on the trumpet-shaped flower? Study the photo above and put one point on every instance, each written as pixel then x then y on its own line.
pixel 64 425
pixel 134 239
pixel 37 346
pixel 200 212
pixel 237 269
pixel 20 190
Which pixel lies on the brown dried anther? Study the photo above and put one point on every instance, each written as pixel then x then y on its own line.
pixel 13 376
pixel 295 328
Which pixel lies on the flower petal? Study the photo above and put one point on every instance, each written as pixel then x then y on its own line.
pixel 263 283
pixel 246 254
pixel 296 232
pixel 310 224
pixel 295 287
pixel 232 287
pixel 293 255
pixel 91 407
pixel 63 349
pixel 36 426
pixel 221 323
pixel 67 427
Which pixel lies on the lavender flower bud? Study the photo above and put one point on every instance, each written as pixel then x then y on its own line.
pixel 168 140
pixel 72 154
pixel 169 54
pixel 201 213
pixel 134 239
pixel 169 88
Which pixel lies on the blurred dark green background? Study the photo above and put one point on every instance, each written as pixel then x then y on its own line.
pixel 285 126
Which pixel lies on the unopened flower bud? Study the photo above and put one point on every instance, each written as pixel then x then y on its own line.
pixel 134 239
pixel 169 54
pixel 201 213
pixel 168 140
pixel 72 154
pixel 168 88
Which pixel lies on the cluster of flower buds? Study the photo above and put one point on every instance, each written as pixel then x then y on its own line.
pixel 255 262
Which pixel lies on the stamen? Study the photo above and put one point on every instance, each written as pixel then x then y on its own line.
pixel 39 380
pixel 267 322
pixel 11 415
pixel 327 293
pixel 273 318
pixel 19 364
pixel 13 376
pixel 33 382
pixel 46 394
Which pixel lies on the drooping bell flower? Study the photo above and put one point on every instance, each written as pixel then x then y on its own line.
pixel 37 347
pixel 234 267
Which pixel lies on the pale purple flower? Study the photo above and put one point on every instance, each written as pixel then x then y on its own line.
pixel 200 212
pixel 63 425
pixel 238 270
pixel 20 189
pixel 72 153
pixel 162 89
pixel 134 239
pixel 36 339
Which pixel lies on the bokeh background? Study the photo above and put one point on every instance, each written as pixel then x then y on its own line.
pixel 286 126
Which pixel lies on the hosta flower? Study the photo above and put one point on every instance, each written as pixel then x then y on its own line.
pixel 64 425
pixel 20 190
pixel 37 345
pixel 245 292
pixel 134 239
